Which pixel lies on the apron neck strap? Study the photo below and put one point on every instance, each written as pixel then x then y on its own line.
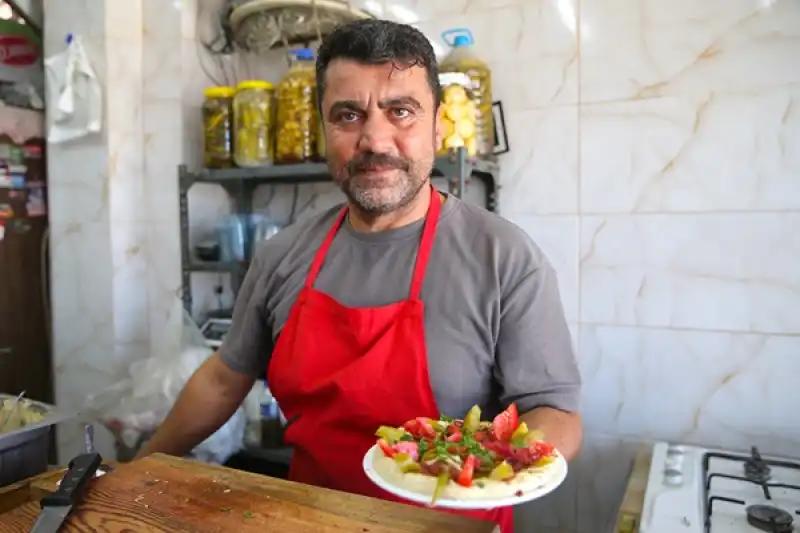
pixel 425 245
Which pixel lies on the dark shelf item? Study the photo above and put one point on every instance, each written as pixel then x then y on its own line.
pixel 240 183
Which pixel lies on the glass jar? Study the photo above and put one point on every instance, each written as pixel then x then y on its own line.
pixel 218 127
pixel 459 128
pixel 252 116
pixel 297 116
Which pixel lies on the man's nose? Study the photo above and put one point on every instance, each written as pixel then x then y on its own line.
pixel 377 135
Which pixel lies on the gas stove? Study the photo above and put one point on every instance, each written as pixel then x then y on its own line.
pixel 699 490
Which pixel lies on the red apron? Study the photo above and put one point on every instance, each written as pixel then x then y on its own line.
pixel 340 372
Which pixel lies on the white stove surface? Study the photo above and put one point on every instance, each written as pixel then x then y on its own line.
pixel 675 498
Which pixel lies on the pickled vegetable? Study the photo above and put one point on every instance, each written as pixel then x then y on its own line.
pixel 390 434
pixel 252 111
pixel 502 472
pixel 458 119
pixel 298 119
pixel 473 419
pixel 462 59
pixel 218 127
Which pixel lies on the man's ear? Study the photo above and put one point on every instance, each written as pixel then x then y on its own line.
pixel 438 126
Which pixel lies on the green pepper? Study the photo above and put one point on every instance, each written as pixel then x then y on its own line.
pixel 502 472
pixel 406 463
pixel 441 483
pixel 473 419
pixel 391 434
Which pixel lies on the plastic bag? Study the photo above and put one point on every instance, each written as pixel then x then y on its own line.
pixel 74 94
pixel 133 408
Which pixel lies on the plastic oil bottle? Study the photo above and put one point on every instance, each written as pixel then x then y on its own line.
pixel 463 59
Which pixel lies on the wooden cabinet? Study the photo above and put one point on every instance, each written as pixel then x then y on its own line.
pixel 25 359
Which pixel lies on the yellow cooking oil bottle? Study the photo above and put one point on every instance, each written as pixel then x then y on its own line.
pixel 467 118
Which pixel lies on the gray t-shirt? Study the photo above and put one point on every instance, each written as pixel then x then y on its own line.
pixel 494 324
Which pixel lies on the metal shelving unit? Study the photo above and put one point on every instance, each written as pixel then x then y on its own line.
pixel 240 183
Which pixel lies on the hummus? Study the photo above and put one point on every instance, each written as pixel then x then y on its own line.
pixel 527 480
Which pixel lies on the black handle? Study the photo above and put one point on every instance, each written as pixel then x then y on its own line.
pixel 81 470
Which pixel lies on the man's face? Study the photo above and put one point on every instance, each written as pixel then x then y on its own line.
pixel 380 132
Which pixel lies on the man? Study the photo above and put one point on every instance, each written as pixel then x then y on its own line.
pixel 406 302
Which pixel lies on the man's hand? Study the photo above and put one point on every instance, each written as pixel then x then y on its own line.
pixel 208 400
pixel 561 429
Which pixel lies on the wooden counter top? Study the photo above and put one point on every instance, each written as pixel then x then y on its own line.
pixel 168 494
pixel 630 512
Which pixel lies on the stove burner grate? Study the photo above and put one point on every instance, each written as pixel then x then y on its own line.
pixel 756 469
pixel 769 519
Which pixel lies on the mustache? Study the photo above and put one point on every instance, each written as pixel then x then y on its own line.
pixel 369 160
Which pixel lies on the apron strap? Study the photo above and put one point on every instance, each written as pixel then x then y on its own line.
pixel 319 258
pixel 425 245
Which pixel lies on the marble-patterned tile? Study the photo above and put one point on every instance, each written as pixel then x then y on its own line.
pixel 129 261
pixel 708 388
pixel 723 272
pixel 539 176
pixel 162 146
pixel 557 236
pixel 162 71
pixel 642 49
pixel 490 44
pixel 728 152
pixel 124 20
pixel 84 17
pixel 78 185
pixel 165 18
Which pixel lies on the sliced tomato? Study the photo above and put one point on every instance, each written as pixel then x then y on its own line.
pixel 420 427
pixel 387 450
pixel 454 437
pixel 542 449
pixel 467 471
pixel 480 436
pixel 505 423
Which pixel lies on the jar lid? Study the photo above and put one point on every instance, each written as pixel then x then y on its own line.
pixel 219 92
pixel 254 84
pixel 304 54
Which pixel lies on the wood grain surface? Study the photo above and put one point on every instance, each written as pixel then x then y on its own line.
pixel 167 494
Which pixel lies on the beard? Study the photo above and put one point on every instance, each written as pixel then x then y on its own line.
pixel 397 183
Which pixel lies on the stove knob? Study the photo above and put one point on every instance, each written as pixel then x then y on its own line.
pixel 673 477
pixel 676 449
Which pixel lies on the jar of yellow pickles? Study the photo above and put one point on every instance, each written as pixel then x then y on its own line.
pixel 252 118
pixel 218 127
pixel 462 58
pixel 458 119
pixel 297 117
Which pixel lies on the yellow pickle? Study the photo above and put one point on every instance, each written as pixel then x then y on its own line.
pixel 253 120
pixel 458 114
pixel 218 127
pixel 297 117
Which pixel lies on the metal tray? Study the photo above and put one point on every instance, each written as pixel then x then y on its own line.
pixel 24 451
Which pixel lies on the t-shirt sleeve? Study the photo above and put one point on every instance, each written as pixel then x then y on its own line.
pixel 535 362
pixel 248 344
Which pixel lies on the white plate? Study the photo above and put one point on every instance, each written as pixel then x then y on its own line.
pixel 558 472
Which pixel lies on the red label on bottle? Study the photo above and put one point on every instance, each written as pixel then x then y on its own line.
pixel 17 51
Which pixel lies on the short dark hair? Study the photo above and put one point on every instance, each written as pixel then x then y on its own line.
pixel 375 42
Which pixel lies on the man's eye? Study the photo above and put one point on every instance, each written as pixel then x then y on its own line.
pixel 348 116
pixel 401 112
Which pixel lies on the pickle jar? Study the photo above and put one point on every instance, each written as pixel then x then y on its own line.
pixel 297 116
pixel 458 119
pixel 218 127
pixel 252 118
